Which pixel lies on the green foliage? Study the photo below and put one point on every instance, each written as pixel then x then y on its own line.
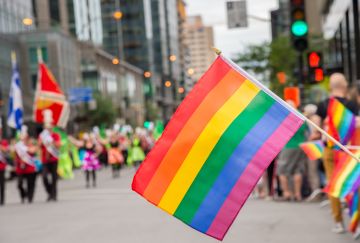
pixel 105 112
pixel 282 58
pixel 266 60
pixel 152 111
pixel 254 58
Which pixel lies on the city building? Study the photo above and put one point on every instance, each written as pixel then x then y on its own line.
pixel 200 40
pixel 51 14
pixel 8 43
pixel 166 47
pixel 85 20
pixel 184 57
pixel 147 36
pixel 341 28
pixel 112 18
pixel 59 52
pixel 122 82
pixel 280 19
pixel 16 16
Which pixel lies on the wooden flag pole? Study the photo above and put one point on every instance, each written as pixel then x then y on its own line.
pixel 346 150
pixel 354 147
pixel 323 132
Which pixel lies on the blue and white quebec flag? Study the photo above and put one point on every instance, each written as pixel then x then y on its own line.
pixel 15 114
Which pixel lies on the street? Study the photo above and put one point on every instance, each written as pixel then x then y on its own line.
pixel 113 213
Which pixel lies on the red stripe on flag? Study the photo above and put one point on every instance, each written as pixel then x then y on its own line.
pixel 186 109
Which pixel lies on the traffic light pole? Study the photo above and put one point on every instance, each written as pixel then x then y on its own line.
pixel 301 83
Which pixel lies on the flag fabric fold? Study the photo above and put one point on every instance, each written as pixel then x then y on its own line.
pixel 215 148
pixel 15 113
pixel 353 205
pixel 346 177
pixel 313 149
pixel 50 96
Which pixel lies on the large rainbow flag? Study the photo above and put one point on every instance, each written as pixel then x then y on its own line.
pixel 215 148
pixel 314 149
pixel 341 121
pixel 353 204
pixel 50 96
pixel 345 178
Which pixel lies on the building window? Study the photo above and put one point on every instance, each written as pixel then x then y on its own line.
pixel 54 10
pixel 33 55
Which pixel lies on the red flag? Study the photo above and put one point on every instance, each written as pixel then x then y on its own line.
pixel 49 96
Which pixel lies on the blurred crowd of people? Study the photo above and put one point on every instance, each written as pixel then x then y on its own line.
pixel 292 176
pixel 54 154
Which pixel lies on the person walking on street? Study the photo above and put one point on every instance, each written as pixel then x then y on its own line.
pixel 338 90
pixel 90 161
pixel 25 151
pixel 3 162
pixel 50 143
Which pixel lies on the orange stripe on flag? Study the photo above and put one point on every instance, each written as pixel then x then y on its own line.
pixel 191 131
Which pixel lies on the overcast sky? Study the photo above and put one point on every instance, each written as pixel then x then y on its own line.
pixel 234 40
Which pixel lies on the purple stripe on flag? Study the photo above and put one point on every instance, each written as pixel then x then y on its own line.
pixel 252 173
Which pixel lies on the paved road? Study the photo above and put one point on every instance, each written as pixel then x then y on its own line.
pixel 112 213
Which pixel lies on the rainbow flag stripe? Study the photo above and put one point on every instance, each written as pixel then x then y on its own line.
pixel 215 148
pixel 314 149
pixel 341 121
pixel 346 177
pixel 353 204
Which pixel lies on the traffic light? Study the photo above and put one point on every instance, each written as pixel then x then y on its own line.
pixel 298 26
pixel 315 67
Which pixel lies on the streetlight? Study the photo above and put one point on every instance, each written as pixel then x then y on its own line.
pixel 115 61
pixel 190 71
pixel 168 84
pixel 147 74
pixel 117 15
pixel 181 90
pixel 172 58
pixel 27 21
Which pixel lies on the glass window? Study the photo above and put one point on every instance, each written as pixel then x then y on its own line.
pixel 33 55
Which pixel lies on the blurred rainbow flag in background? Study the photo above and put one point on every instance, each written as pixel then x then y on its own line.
pixel 341 121
pixel 215 148
pixel 314 149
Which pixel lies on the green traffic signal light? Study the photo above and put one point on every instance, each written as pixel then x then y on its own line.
pixel 299 28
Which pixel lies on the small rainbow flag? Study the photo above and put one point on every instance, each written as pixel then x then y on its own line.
pixel 314 149
pixel 346 177
pixel 353 204
pixel 341 121
pixel 215 148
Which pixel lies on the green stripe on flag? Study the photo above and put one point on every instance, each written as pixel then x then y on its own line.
pixel 220 155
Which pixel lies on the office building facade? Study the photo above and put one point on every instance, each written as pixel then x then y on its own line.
pixel 200 40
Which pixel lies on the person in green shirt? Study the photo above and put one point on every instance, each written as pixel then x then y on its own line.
pixel 292 164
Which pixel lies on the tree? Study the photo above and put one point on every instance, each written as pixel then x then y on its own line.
pixel 282 58
pixel 266 60
pixel 255 59
pixel 104 114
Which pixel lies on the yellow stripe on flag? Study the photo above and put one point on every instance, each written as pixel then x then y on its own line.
pixel 205 144
pixel 338 114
